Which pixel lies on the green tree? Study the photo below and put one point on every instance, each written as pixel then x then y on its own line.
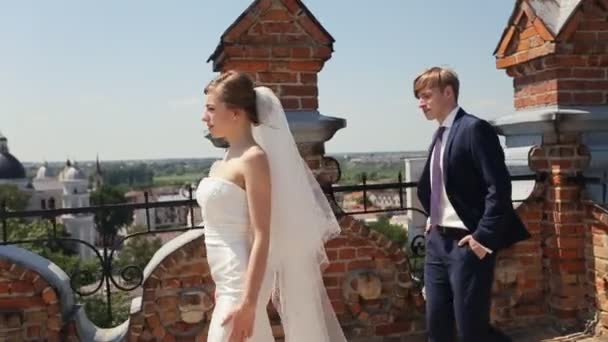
pixel 15 199
pixel 19 230
pixel 129 175
pixel 368 202
pixel 137 251
pixel 50 246
pixel 393 232
pixel 96 309
pixel 108 222
pixel 180 170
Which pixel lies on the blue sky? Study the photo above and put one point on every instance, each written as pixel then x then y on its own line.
pixel 124 79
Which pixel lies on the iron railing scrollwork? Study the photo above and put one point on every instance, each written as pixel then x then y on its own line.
pixel 130 277
pixel 416 245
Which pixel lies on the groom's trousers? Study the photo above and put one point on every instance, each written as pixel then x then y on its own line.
pixel 458 288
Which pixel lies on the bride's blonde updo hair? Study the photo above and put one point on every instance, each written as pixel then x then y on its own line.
pixel 235 89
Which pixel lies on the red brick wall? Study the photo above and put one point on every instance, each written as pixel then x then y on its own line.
pixel 368 281
pixel 596 255
pixel 543 279
pixel 29 307
pixel 370 284
pixel 518 292
pixel 179 288
pixel 281 46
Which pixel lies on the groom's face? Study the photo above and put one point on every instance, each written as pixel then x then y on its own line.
pixel 432 102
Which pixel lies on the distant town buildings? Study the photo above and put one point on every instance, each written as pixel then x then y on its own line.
pixel 165 217
pixel 70 189
pixel 411 220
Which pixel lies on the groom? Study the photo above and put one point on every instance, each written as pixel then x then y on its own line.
pixel 466 188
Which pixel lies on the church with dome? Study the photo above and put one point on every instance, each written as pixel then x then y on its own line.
pixel 70 189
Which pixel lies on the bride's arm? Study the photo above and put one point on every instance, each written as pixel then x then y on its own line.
pixel 257 183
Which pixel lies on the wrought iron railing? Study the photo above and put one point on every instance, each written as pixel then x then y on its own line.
pixel 416 245
pixel 132 275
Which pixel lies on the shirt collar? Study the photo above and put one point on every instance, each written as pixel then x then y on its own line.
pixel 449 120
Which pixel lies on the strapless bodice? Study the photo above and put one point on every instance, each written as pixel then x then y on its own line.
pixel 223 206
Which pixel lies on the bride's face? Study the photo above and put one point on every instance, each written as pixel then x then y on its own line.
pixel 218 117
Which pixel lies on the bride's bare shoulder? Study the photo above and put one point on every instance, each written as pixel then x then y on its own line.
pixel 254 151
pixel 255 157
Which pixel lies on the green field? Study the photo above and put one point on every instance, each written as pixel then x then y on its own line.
pixel 182 179
pixel 375 172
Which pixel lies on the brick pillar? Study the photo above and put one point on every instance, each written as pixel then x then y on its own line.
pixel 563 228
pixel 281 45
pixel 557 54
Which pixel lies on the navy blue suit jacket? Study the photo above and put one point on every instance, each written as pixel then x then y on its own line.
pixel 477 183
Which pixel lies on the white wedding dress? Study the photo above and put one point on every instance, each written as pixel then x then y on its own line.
pixel 293 279
pixel 228 239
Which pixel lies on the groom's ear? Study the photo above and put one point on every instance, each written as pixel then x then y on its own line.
pixel 448 91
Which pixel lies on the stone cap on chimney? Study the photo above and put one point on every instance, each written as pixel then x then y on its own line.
pixel 306 127
pixel 564 119
pixel 555 13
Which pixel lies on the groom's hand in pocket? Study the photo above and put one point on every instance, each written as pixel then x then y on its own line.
pixel 475 246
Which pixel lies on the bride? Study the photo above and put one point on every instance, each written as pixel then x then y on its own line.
pixel 266 221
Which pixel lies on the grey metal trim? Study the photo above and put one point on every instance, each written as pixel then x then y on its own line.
pixel 306 127
pixel 554 119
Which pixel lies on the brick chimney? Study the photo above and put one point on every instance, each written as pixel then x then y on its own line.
pixel 281 45
pixel 557 53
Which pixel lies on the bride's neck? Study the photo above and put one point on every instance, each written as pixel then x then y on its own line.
pixel 239 143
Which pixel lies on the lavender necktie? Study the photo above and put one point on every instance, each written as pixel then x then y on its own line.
pixel 436 177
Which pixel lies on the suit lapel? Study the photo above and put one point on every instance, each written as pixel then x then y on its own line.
pixel 426 171
pixel 449 142
pixel 425 176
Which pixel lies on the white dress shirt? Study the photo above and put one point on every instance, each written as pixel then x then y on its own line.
pixel 447 214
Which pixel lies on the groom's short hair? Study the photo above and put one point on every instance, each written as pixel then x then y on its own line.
pixel 437 77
